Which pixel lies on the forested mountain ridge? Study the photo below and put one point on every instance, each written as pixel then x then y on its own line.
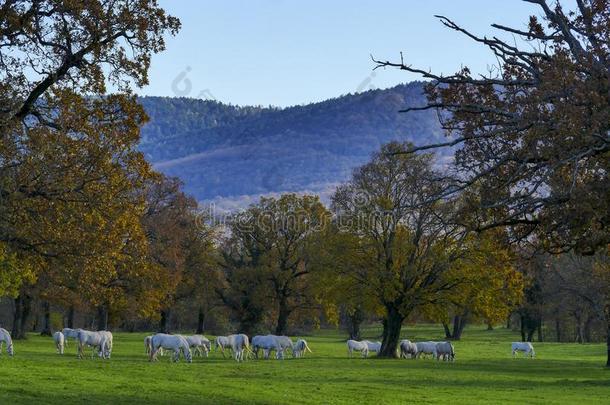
pixel 234 154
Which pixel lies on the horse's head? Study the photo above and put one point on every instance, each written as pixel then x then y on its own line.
pixel 10 350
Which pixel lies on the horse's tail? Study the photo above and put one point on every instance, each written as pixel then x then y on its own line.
pixel 307 348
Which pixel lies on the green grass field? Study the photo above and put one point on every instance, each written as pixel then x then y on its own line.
pixel 483 372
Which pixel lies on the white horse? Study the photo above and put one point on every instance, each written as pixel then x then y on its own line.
pixel 299 348
pixel 408 348
pixel 267 343
pixel 445 351
pixel 525 347
pixel 425 348
pixel 285 343
pixel 59 340
pixel 373 347
pixel 222 343
pixel 201 344
pixel 101 340
pixel 176 343
pixel 354 345
pixel 5 337
pixel 239 344
pixel 70 333
pixel 148 344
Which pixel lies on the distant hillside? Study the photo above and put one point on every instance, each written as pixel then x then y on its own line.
pixel 233 154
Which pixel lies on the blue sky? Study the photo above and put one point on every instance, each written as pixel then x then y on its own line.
pixel 287 52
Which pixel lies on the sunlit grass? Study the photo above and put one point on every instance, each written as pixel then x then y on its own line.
pixel 484 372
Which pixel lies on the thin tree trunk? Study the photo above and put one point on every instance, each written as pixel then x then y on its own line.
pixel 102 318
pixel 164 322
pixel 200 321
pixel 540 336
pixel 46 325
pixel 21 315
pixel 579 337
pixel 392 324
pixel 530 334
pixel 587 329
pixel 608 342
pixel 558 329
pixel 71 317
pixel 508 325
pixel 607 316
pixel 459 323
pixel 354 320
pixel 447 331
pixel 282 318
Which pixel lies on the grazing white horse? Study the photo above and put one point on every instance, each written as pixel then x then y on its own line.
pixel 285 343
pixel 525 347
pixel 69 333
pixel 373 347
pixel 200 344
pixel 59 340
pixel 176 343
pixel 101 340
pixel 299 348
pixel 267 343
pixel 354 345
pixel 445 351
pixel 408 348
pixel 239 344
pixel 222 343
pixel 5 337
pixel 148 344
pixel 424 348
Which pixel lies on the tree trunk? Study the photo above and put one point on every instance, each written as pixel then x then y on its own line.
pixel 459 323
pixel 200 321
pixel 490 326
pixel 558 329
pixel 392 324
pixel 46 325
pixel 164 322
pixel 587 329
pixel 282 318
pixel 579 333
pixel 540 336
pixel 102 318
pixel 447 331
pixel 607 316
pixel 354 320
pixel 70 319
pixel 508 322
pixel 21 315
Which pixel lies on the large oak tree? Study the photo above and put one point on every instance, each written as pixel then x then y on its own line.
pixel 535 131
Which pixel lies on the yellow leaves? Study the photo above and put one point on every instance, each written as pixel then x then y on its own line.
pixel 490 285
pixel 13 272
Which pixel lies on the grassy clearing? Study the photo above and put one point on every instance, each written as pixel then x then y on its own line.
pixel 483 373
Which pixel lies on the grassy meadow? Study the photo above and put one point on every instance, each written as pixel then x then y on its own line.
pixel 483 372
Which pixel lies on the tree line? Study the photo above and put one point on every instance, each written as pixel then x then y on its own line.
pixel 516 224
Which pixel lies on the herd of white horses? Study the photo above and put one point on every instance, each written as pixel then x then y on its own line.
pixel 240 347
